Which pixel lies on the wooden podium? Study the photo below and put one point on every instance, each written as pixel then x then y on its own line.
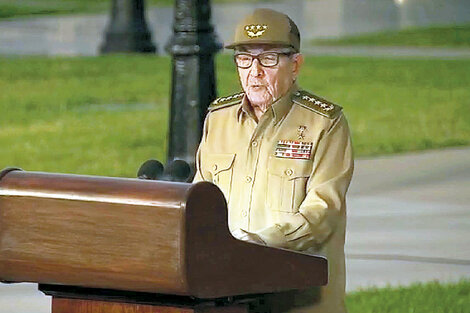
pixel 99 244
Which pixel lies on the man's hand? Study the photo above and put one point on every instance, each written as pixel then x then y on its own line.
pixel 241 234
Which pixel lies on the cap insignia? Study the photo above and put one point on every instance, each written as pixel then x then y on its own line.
pixel 254 31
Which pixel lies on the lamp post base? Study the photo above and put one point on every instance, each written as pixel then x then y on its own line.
pixel 127 30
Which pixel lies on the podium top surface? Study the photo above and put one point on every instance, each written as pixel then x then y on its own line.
pixel 136 235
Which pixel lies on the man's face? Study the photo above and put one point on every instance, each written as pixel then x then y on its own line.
pixel 264 85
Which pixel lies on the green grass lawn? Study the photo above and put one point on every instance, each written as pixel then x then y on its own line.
pixel 12 8
pixel 9 8
pixel 418 298
pixel 106 115
pixel 451 36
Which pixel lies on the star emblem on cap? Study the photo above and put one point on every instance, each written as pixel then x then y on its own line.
pixel 254 31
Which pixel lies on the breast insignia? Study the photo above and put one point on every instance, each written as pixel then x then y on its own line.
pixel 317 104
pixel 292 149
pixel 301 132
pixel 224 102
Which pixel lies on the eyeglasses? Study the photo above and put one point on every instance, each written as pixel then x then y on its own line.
pixel 266 59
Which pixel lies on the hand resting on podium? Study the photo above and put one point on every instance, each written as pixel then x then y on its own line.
pixel 243 235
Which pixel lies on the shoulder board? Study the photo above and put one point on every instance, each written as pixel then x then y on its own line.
pixel 316 104
pixel 224 102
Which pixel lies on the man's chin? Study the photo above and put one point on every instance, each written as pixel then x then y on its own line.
pixel 259 99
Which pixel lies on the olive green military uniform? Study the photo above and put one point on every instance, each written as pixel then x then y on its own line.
pixel 284 178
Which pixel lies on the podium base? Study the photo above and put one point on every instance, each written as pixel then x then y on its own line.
pixel 72 299
pixel 64 305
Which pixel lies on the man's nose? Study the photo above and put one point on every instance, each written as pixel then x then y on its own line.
pixel 256 68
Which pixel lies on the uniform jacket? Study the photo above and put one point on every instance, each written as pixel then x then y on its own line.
pixel 284 178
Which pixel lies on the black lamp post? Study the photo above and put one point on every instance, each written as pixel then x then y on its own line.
pixel 193 47
pixel 127 30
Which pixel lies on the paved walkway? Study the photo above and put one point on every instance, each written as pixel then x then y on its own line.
pixel 408 221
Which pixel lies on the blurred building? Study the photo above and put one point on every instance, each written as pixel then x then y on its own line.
pixel 336 18
pixel 82 34
pixel 433 12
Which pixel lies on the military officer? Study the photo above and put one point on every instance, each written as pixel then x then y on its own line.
pixel 282 156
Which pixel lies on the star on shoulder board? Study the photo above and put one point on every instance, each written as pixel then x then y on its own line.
pixel 317 104
pixel 224 102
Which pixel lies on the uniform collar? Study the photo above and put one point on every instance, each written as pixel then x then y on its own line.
pixel 277 111
pixel 245 110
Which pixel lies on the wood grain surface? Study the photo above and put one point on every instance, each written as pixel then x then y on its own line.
pixel 136 235
pixel 93 231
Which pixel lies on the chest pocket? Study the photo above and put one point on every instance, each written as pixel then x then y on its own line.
pixel 221 168
pixel 287 180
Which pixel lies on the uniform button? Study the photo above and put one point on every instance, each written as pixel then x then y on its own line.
pixel 244 213
pixel 254 143
pixel 214 167
pixel 289 172
pixel 248 179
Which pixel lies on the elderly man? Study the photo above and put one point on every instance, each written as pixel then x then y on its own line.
pixel 281 156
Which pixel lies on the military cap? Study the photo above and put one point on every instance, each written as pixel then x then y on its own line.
pixel 266 26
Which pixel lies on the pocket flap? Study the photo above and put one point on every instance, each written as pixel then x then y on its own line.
pixel 220 162
pixel 289 168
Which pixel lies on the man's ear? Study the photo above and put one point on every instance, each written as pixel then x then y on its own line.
pixel 298 61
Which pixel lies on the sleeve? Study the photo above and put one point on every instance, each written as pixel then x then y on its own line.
pixel 200 174
pixel 324 202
